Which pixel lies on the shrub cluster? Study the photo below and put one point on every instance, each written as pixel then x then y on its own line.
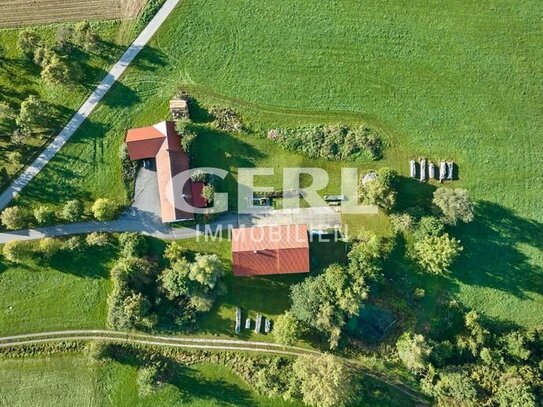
pixel 330 142
pixel 325 302
pixel 478 367
pixel 143 295
pixel 226 119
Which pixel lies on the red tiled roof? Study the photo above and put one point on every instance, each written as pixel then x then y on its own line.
pixel 270 250
pixel 162 142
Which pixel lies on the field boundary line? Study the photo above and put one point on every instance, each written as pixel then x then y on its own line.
pixel 89 105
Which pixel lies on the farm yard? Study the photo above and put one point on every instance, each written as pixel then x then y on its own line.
pixel 17 13
pixel 450 82
pixel 386 79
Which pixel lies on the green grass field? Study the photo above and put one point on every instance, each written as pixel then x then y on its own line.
pixel 62 293
pixel 72 380
pixel 20 78
pixel 457 81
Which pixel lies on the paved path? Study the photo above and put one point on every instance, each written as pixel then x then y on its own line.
pixel 128 222
pixel 193 343
pixel 86 109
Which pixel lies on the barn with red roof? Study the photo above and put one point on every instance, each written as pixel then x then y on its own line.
pixel 265 250
pixel 162 143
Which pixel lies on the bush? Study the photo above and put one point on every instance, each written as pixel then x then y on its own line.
pixel 44 215
pixel 104 209
pixel 436 254
pixel 287 329
pixel 97 239
pixel 428 226
pixel 129 167
pixel 208 193
pixel 15 157
pixel 17 251
pixel 133 244
pixel 49 246
pixel 73 244
pixel 226 119
pixel 147 380
pixel 184 129
pixel 72 211
pixel 199 176
pixel 85 36
pixel 330 142
pixel 97 350
pixel 6 112
pixel 28 41
pixel 14 218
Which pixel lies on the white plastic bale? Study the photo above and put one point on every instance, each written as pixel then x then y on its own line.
pixel 423 169
pixel 413 169
pixel 442 170
pixel 450 170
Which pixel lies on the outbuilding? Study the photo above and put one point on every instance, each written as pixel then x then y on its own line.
pixel 265 250
pixel 162 144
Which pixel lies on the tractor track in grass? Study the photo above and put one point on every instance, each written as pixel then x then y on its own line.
pixel 196 343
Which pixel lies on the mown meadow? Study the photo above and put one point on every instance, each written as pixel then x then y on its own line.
pixel 457 81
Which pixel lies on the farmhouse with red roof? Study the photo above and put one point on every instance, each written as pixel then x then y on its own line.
pixel 162 143
pixel 280 249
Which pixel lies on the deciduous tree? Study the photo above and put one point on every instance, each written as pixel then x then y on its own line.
pixel 174 251
pixel 28 40
pixel 380 191
pixel 14 218
pixel 34 114
pixel 104 209
pixel 287 329
pixel 73 210
pixel 44 214
pixel 455 205
pixel 207 270
pixel 324 381
pixel 413 351
pixel 436 254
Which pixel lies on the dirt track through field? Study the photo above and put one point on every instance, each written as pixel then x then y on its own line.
pixel 16 13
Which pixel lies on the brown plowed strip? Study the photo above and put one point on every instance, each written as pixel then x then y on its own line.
pixel 15 13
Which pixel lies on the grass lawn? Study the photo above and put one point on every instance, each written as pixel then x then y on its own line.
pixel 20 78
pixel 56 294
pixel 457 81
pixel 47 382
pixel 72 380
